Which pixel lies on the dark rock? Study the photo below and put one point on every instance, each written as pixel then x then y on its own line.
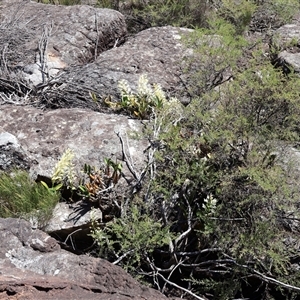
pixel 32 266
pixel 11 153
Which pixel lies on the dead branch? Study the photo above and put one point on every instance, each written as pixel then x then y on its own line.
pixel 43 52
pixel 179 287
pixel 274 281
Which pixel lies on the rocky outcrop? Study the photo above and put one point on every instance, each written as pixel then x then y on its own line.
pixel 156 52
pixel 60 54
pixel 33 266
pixel 38 41
pixel 45 135
pixel 287 39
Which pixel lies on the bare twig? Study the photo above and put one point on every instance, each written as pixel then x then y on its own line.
pixel 70 236
pixel 184 234
pixel 274 281
pixel 180 287
pixel 172 271
pixel 97 38
pixel 43 55
pixel 122 256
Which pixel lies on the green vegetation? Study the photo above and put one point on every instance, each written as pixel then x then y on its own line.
pixel 219 184
pixel 21 197
pixel 138 104
pixel 213 209
pixel 131 239
pixel 267 14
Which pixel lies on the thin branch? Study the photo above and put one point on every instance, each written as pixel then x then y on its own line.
pixel 172 271
pixel 122 256
pixel 192 253
pixel 97 38
pixel 70 236
pixel 190 214
pixel 179 287
pixel 125 158
pixel 277 282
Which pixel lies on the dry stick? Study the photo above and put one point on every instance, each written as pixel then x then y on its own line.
pixel 122 256
pixel 169 276
pixel 179 287
pixel 70 236
pixel 139 178
pixel 154 273
pixel 266 278
pixel 97 38
pixel 184 234
pixel 125 158
pixel 272 280
pixel 43 47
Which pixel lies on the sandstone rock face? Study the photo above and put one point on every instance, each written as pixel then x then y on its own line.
pixel 70 224
pixel 60 54
pixel 156 52
pixel 45 135
pixel 40 40
pixel 32 266
pixel 287 38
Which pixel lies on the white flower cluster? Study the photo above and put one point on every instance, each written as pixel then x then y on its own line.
pixel 124 87
pixel 144 88
pixel 210 204
pixel 64 169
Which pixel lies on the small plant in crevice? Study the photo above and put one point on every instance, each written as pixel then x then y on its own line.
pixel 139 104
pixel 63 179
pixel 99 181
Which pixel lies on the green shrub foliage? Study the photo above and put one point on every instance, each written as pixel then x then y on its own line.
pixel 220 181
pixel 21 197
pixel 213 212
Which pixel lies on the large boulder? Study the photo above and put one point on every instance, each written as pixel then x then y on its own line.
pixel 37 40
pixel 157 52
pixel 92 136
pixel 33 266
pixel 59 55
pixel 287 39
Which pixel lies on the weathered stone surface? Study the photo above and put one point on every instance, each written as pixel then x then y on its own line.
pixel 156 52
pixel 287 34
pixel 45 135
pixel 38 40
pixel 288 59
pixel 73 222
pixel 287 38
pixel 32 266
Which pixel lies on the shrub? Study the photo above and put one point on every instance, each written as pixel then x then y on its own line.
pixel 216 52
pixel 227 152
pixel 218 180
pixel 131 240
pixel 271 14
